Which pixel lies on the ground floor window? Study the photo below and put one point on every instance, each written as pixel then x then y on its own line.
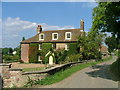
pixel 39 58
pixel 54 45
pixel 67 46
pixel 40 46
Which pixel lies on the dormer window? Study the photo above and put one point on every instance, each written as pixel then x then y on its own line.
pixel 41 36
pixel 54 36
pixel 68 35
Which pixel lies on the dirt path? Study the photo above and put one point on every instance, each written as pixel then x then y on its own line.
pixel 92 77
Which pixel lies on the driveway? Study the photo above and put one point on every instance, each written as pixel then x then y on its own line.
pixel 97 76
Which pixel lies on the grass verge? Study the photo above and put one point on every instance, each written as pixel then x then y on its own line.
pixel 59 76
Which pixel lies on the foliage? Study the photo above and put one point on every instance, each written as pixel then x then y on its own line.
pixel 112 43
pixel 7 51
pixel 46 47
pixel 115 68
pixel 106 18
pixel 33 53
pixel 73 49
pixel 23 38
pixel 90 45
pixel 10 58
pixel 73 58
pixel 60 56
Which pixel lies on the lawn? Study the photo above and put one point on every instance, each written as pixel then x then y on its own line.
pixel 59 76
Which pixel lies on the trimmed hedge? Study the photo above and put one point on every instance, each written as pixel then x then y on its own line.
pixel 33 53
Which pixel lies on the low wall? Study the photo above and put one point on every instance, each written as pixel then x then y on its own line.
pixel 18 78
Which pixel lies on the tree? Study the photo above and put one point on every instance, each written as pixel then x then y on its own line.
pixel 90 45
pixel 106 18
pixel 23 38
pixel 112 43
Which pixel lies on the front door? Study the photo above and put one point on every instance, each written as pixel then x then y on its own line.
pixel 51 60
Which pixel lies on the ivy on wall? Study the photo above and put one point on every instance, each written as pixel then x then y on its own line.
pixel 33 53
pixel 73 49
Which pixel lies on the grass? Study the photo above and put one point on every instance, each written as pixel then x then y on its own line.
pixel 32 69
pixel 59 76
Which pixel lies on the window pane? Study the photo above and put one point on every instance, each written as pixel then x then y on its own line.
pixel 68 35
pixel 55 36
pixel 42 37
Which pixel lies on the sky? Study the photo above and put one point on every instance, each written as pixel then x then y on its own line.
pixel 20 19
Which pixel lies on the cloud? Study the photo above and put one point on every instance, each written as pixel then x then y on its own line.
pixel 12 27
pixel 89 5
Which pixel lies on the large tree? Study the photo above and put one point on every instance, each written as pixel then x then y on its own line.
pixel 90 44
pixel 106 18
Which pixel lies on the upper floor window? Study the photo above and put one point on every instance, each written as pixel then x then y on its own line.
pixel 41 36
pixel 54 36
pixel 68 35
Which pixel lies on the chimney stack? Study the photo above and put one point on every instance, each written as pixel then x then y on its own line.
pixel 39 29
pixel 82 24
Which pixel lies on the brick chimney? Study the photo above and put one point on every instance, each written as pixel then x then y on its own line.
pixel 39 29
pixel 82 24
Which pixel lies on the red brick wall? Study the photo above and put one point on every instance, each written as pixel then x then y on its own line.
pixel 25 52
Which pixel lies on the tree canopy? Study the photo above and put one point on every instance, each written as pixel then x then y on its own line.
pixel 106 18
pixel 90 44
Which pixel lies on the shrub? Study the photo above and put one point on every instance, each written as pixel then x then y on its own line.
pixel 60 56
pixel 73 58
pixel 73 49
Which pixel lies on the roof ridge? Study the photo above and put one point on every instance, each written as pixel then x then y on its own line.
pixel 62 30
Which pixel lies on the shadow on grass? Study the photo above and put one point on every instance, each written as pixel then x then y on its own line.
pixel 102 71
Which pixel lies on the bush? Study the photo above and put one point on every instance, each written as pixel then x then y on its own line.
pixel 60 56
pixel 115 68
pixel 73 58
pixel 10 58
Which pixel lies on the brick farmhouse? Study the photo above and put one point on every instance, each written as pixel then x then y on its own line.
pixel 58 38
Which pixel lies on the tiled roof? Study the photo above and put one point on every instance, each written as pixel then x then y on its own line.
pixel 104 49
pixel 75 33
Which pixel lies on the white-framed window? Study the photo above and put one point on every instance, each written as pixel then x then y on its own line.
pixel 54 45
pixel 40 46
pixel 66 46
pixel 39 58
pixel 41 36
pixel 67 35
pixel 54 36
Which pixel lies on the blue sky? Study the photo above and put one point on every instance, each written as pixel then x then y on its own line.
pixel 21 18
